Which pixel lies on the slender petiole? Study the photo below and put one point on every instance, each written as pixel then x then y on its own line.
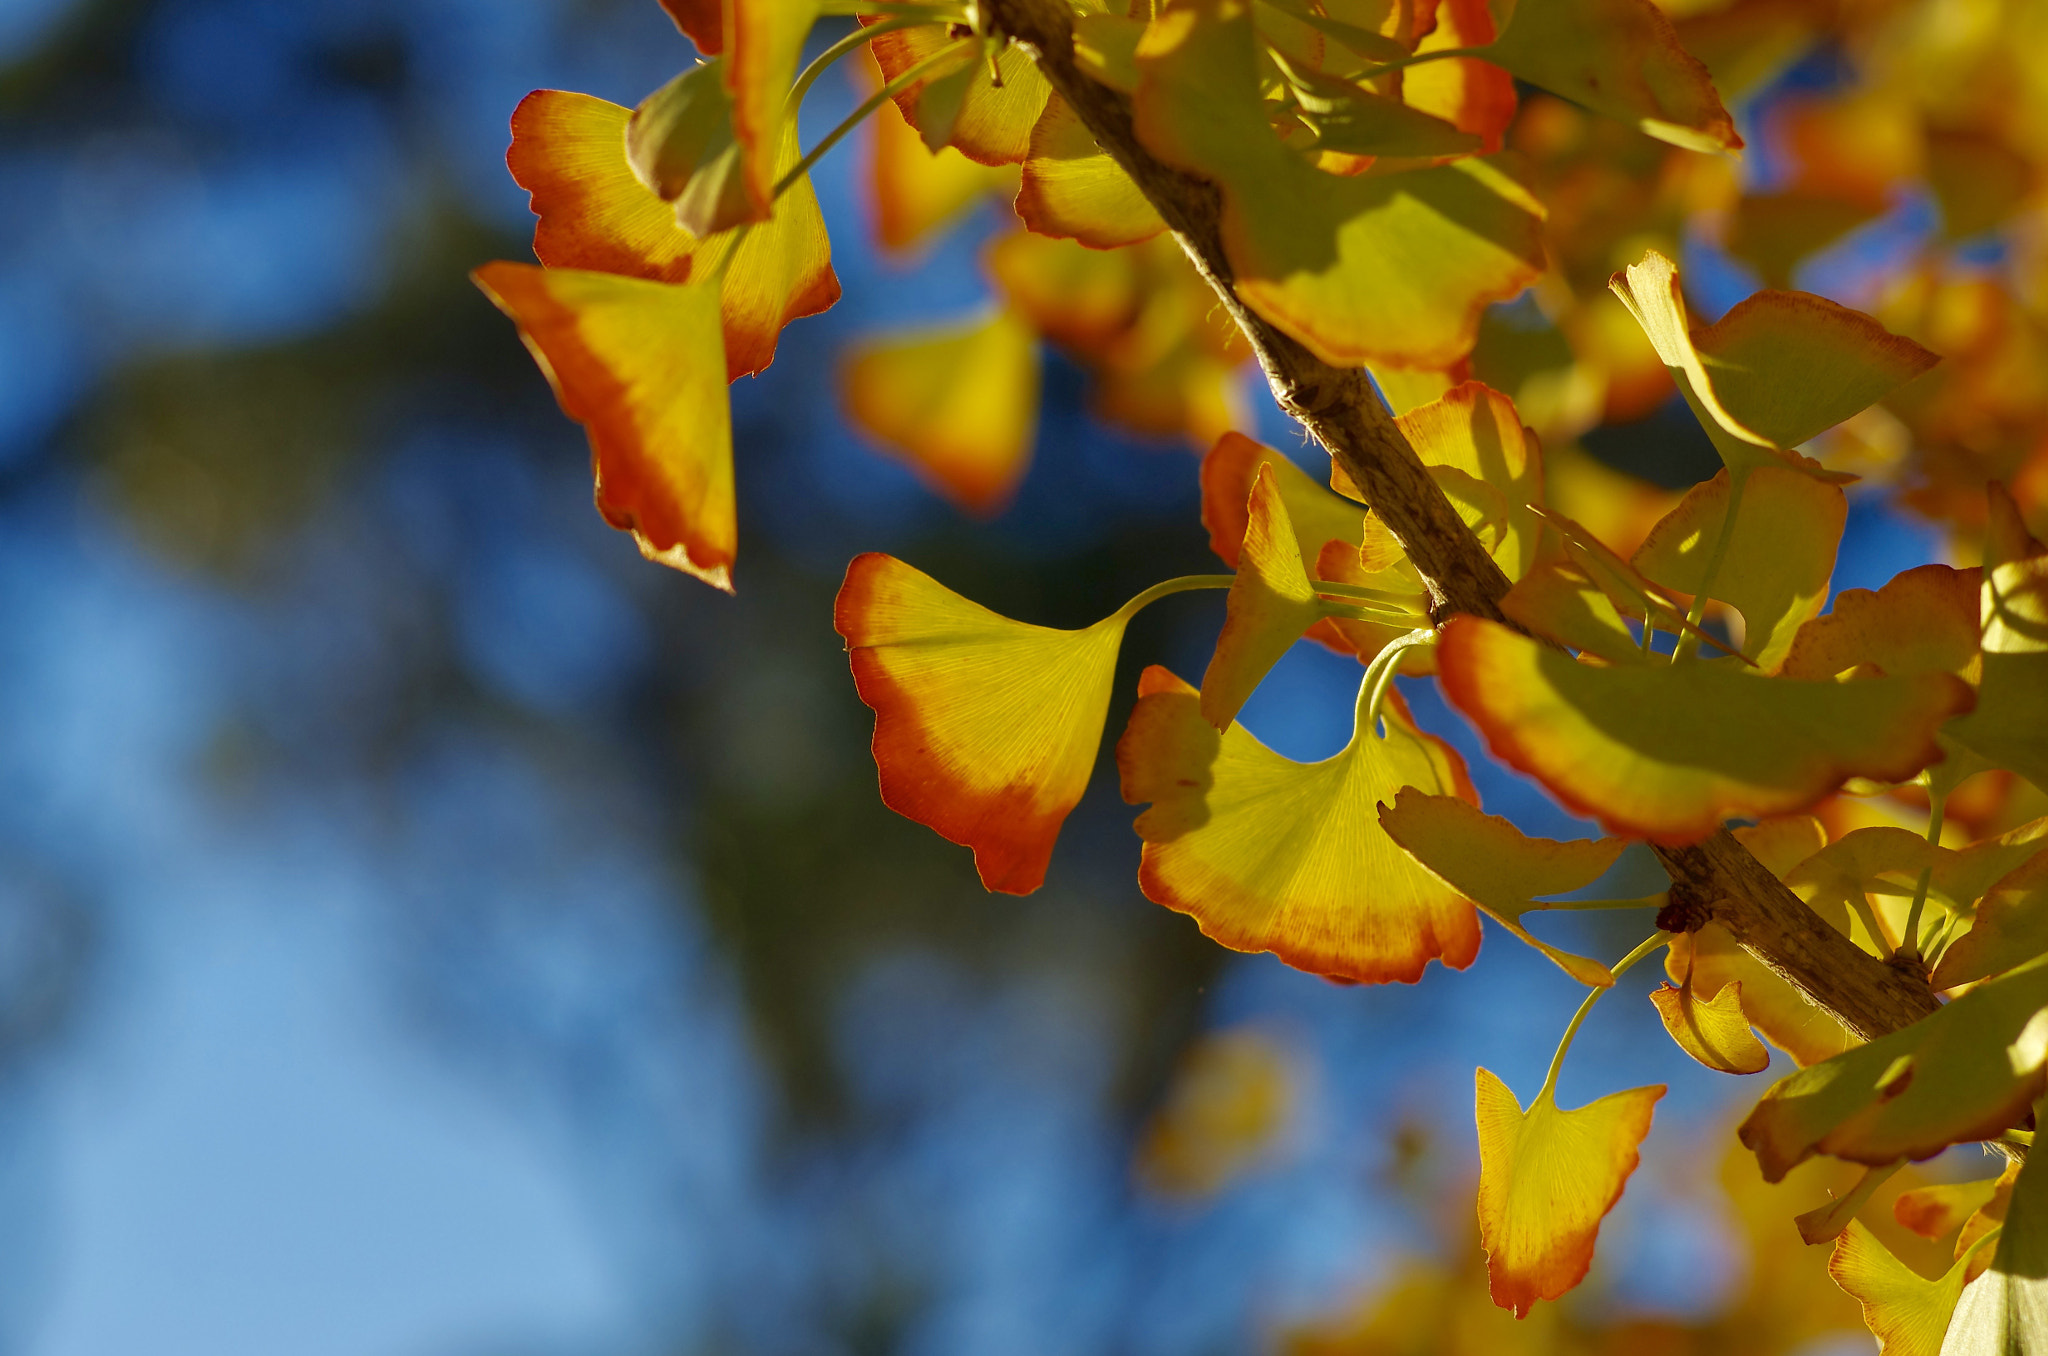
pixel 1937 811
pixel 1689 639
pixel 1405 600
pixel 950 52
pixel 853 41
pixel 1571 1031
pixel 1184 584
pixel 1389 67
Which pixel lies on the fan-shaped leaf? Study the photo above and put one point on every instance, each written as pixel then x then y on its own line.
pixel 917 191
pixel 1922 621
pixel 1074 190
pixel 1905 1311
pixel 2004 1311
pixel 764 41
pixel 991 123
pixel 2011 928
pixel 1271 603
pixel 1714 1030
pixel 1618 57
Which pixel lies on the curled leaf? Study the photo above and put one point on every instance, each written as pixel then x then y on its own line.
pixel 1617 57
pixel 1938 1211
pixel 764 40
pixel 1271 603
pixel 1713 1031
pixel 1905 1311
pixel 2004 1308
pixel 1268 854
pixel 989 123
pixel 1923 621
pixel 1547 1177
pixel 1073 189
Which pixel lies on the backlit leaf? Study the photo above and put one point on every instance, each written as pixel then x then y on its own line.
pixel 1940 1210
pixel 1904 1310
pixel 641 366
pixel 1394 268
pixel 2011 928
pixel 1268 854
pixel 985 728
pixel 1476 430
pixel 1777 563
pixel 701 21
pixel 991 125
pixel 1646 749
pixel 917 191
pixel 1547 1177
pixel 1229 471
pixel 1558 602
pixel 680 144
pixel 1617 57
pixel 1475 96
pixel 1073 189
pixel 2010 726
pixel 764 41
pixel 1968 1071
pixel 959 403
pixel 1923 621
pixel 1714 1030
pixel 1498 867
pixel 1271 603
pixel 2004 1311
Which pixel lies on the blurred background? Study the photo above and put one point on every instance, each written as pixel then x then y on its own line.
pixel 427 929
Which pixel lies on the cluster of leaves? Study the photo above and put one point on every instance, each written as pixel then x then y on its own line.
pixel 1366 213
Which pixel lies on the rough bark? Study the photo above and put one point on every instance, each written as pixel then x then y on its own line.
pixel 1342 411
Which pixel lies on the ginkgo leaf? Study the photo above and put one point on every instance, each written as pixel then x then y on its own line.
pixel 764 40
pixel 701 21
pixel 1617 57
pixel 1393 268
pixel 959 403
pixel 1988 1216
pixel 1475 96
pixel 918 191
pixel 1073 189
pixel 1905 1311
pixel 1646 748
pixel 1351 120
pixel 568 152
pixel 1714 1030
pixel 1476 430
pixel 1631 594
pixel 1779 368
pixel 641 366
pixel 992 123
pixel 1547 1177
pixel 680 144
pixel 1923 621
pixel 1229 471
pixel 2010 725
pixel 2004 1311
pixel 1968 1071
pixel 1775 567
pixel 1499 868
pixel 1558 602
pixel 2011 928
pixel 985 728
pixel 1078 298
pixel 1825 1222
pixel 1938 1211
pixel 1268 854
pixel 1271 603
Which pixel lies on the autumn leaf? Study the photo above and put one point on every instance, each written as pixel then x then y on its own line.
pixel 1713 1030
pixel 916 190
pixel 1271 603
pixel 1558 602
pixel 990 123
pixel 2004 1310
pixel 701 21
pixel 1073 189
pixel 680 143
pixel 641 366
pixel 2010 928
pixel 1547 1177
pixel 1904 1310
pixel 764 40
pixel 1231 1100
pixel 2009 728
pixel 1268 854
pixel 1923 621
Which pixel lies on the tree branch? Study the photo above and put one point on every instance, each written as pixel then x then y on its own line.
pixel 1340 408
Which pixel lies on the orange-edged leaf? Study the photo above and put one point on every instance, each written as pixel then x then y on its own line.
pixel 1646 748
pixel 680 144
pixel 1625 587
pixel 1922 621
pixel 1558 602
pixel 1617 57
pixel 1390 268
pixel 641 366
pixel 1776 566
pixel 917 191
pixel 1271 603
pixel 1475 429
pixel 1776 370
pixel 1474 96
pixel 959 403
pixel 569 153
pixel 1229 472
pixel 1344 564
pixel 991 124
pixel 1349 120
pixel 1906 1312
pixel 1547 1177
pixel 1989 1216
pixel 764 41
pixel 1938 1211
pixel 985 728
pixel 1072 188
pixel 2004 1311
pixel 2011 928
pixel 2010 726
pixel 701 21
pixel 1499 868
pixel 1079 298
pixel 1968 1071
pixel 1268 854
pixel 1714 1030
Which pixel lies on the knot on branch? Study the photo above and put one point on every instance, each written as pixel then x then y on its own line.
pixel 1686 908
pixel 1913 967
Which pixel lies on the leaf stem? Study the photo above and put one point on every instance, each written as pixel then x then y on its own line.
pixel 1937 811
pixel 1689 640
pixel 853 41
pixel 1571 1031
pixel 1416 59
pixel 1405 600
pixel 1379 676
pixel 869 105
pixel 1184 584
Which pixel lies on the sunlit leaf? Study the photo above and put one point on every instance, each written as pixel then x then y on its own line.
pixel 2010 724
pixel 1271 603
pixel 1496 866
pixel 680 144
pixel 1475 96
pixel 916 191
pixel 1617 57
pixel 1647 749
pixel 1547 1177
pixel 1392 268
pixel 1476 430
pixel 1558 602
pixel 641 366
pixel 2004 1311
pixel 985 728
pixel 2011 928
pixel 991 124
pixel 1968 1071
pixel 959 403
pixel 1079 298
pixel 1627 590
pixel 1228 473
pixel 1940 1210
pixel 1779 368
pixel 1776 565
pixel 1073 189
pixel 1231 1100
pixel 1923 621
pixel 701 21
pixel 1268 854
pixel 764 41
pixel 1714 1030
pixel 1988 1216
pixel 1825 1222
pixel 1350 120
pixel 1905 1311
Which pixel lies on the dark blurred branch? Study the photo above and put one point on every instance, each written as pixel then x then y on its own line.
pixel 1344 413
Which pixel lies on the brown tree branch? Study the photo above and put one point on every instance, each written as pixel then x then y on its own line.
pixel 1340 408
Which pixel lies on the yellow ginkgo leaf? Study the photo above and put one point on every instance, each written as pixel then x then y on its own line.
pixel 2010 725
pixel 992 122
pixel 960 404
pixel 2011 928
pixel 679 141
pixel 1922 621
pixel 1645 748
pixel 764 40
pixel 1317 515
pixel 1779 368
pixel 1714 1030
pixel 1547 1177
pixel 1631 594
pixel 1558 602
pixel 1498 867
pixel 1391 268
pixel 2004 1308
pixel 985 728
pixel 1617 57
pixel 1271 603
pixel 1906 1312
pixel 1268 854
pixel 1475 429
pixel 641 366
pixel 1073 189
pixel 918 191
pixel 701 21
pixel 1775 566
pixel 1938 1211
